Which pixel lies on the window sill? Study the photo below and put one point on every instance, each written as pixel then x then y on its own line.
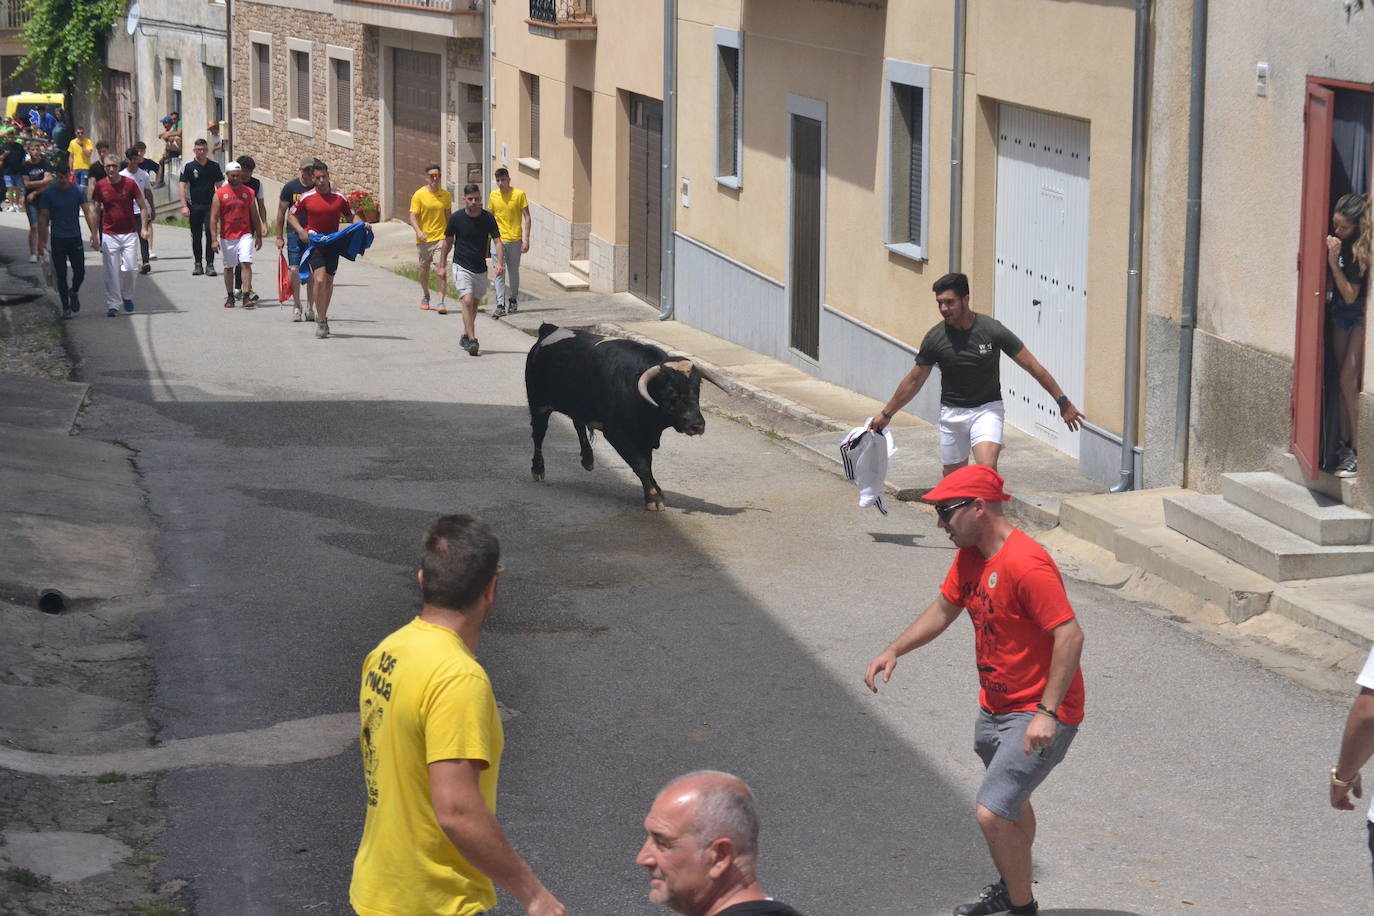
pixel 299 126
pixel 907 250
pixel 260 115
pixel 342 138
pixel 730 181
pixel 529 164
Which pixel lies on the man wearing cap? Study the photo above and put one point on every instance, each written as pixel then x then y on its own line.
pixel 968 348
pixel 1027 647
pixel 237 233
pixel 290 193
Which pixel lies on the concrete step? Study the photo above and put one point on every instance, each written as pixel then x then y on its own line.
pixel 1197 570
pixel 1260 545
pixel 581 266
pixel 1102 517
pixel 1303 511
pixel 1342 607
pixel 1341 488
pixel 570 282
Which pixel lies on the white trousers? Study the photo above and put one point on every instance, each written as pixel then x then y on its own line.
pixel 121 267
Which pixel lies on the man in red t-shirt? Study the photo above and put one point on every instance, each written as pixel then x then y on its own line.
pixel 321 209
pixel 115 231
pixel 1027 646
pixel 236 231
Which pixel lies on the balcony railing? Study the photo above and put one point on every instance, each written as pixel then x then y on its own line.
pixel 439 6
pixel 13 15
pixel 563 18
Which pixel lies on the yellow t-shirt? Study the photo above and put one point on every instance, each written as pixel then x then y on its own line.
pixel 433 209
pixel 80 153
pixel 509 209
pixel 424 698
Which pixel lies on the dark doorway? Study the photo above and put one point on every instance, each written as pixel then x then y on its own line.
pixel 646 206
pixel 804 286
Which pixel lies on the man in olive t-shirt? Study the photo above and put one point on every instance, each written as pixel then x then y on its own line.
pixel 967 347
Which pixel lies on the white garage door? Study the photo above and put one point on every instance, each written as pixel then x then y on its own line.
pixel 1042 261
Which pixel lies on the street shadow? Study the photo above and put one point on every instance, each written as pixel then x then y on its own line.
pixel 1089 912
pixel 367 336
pixel 901 540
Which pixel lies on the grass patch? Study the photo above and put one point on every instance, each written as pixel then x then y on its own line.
pixel 112 776
pixel 177 220
pixel 55 332
pixel 145 858
pixel 410 272
pixel 25 878
pixel 154 908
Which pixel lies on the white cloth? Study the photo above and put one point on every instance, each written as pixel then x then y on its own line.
pixel 864 453
pixel 236 251
pixel 145 184
pixel 1366 679
pixel 121 267
pixel 961 428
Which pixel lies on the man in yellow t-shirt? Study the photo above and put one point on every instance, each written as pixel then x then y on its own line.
pixel 430 208
pixel 431 745
pixel 80 151
pixel 512 211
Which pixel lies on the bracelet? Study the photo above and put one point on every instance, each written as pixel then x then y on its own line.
pixel 1340 783
pixel 1041 707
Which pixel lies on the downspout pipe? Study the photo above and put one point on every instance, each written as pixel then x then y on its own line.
pixel 487 151
pixel 1139 135
pixel 956 141
pixel 228 77
pixel 669 161
pixel 1192 234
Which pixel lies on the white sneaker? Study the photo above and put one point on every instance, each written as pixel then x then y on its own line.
pixel 297 314
pixel 33 259
pixel 309 314
pixel 152 255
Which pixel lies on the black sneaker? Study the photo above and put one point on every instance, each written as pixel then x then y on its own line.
pixel 513 307
pixel 210 271
pixel 75 303
pixel 472 346
pixel 463 342
pixel 1349 465
pixel 197 270
pixel 993 899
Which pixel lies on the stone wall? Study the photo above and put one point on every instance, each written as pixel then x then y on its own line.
pixel 277 148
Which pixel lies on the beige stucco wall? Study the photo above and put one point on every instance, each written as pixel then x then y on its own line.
pixel 1072 59
pixel 625 56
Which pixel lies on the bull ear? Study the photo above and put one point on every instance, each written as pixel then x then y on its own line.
pixel 648 375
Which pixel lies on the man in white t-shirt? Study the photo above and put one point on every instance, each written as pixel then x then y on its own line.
pixel 133 168
pixel 1357 746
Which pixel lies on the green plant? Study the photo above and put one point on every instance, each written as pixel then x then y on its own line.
pixel 154 908
pixel 112 776
pixel 25 878
pixel 66 41
pixel 408 271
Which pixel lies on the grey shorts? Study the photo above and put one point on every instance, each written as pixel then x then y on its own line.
pixel 1012 775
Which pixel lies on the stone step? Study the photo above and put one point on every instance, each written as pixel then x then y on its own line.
pixel 1260 545
pixel 1307 513
pixel 570 282
pixel 1197 570
pixel 1342 488
pixel 581 266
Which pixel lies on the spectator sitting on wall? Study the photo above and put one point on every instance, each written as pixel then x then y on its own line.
pixel 171 137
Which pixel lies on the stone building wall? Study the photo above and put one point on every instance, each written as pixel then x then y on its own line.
pixel 276 147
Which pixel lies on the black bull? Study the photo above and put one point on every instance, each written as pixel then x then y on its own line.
pixel 629 391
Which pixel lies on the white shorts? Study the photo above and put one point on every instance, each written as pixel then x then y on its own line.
pixel 237 251
pixel 468 282
pixel 961 428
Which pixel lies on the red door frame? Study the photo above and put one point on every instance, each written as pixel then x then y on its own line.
pixel 1309 339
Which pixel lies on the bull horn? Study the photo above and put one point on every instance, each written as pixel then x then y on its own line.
pixel 649 375
pixel 712 378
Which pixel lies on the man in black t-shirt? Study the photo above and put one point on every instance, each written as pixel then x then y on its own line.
pixel 199 179
pixel 701 848
pixel 37 175
pixel 290 193
pixel 967 347
pixel 469 234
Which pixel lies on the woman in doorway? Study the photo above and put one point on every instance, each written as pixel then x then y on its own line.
pixel 1348 256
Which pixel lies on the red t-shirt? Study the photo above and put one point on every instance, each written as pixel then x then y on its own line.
pixel 117 205
pixel 235 210
pixel 322 213
pixel 1015 599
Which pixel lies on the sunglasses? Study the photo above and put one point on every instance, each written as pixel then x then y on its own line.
pixel 947 512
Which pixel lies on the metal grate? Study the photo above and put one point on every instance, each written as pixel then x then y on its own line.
pixel 534 116
pixel 343 94
pixel 563 12
pixel 300 75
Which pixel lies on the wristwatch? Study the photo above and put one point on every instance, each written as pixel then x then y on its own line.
pixel 1062 400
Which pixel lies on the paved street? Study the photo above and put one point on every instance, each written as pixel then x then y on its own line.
pixel 290 479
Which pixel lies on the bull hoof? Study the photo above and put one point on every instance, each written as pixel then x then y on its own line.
pixel 589 463
pixel 537 475
pixel 654 506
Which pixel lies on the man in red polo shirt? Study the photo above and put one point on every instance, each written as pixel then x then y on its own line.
pixel 115 232
pixel 321 209
pixel 237 232
pixel 1027 647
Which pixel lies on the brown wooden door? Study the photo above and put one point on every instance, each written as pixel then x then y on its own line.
pixel 416 132
pixel 646 205
pixel 804 287
pixel 1309 340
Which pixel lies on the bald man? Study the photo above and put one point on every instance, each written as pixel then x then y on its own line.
pixel 701 848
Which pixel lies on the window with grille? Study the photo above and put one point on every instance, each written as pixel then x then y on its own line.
pixel 300 84
pixel 729 145
pixel 534 117
pixel 907 158
pixel 341 75
pixel 262 76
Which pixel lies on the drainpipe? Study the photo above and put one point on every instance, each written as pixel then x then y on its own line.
pixel 1188 318
pixel 669 159
pixel 229 78
pixel 956 142
pixel 487 150
pixel 1139 136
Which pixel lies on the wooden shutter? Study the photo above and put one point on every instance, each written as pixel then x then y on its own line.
pixel 534 117
pixel 300 67
pixel 262 74
pixel 343 95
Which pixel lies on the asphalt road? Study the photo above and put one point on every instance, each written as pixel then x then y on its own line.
pixel 291 479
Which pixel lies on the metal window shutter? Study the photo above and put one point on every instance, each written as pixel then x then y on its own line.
pixel 300 63
pixel 916 97
pixel 343 96
pixel 263 61
pixel 534 116
pixel 175 66
pixel 728 100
